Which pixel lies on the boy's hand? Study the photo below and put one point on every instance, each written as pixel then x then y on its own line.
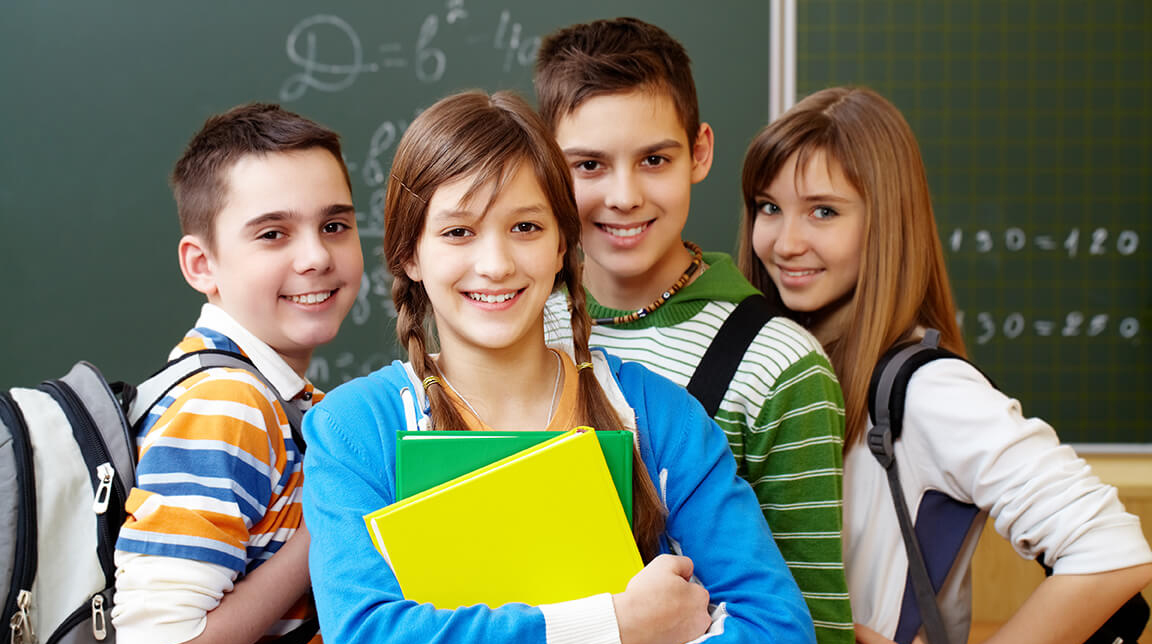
pixel 660 605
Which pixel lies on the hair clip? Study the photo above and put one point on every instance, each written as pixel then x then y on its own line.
pixel 410 191
pixel 431 380
pixel 583 365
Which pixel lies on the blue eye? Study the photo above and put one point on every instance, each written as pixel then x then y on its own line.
pixel 824 212
pixel 767 208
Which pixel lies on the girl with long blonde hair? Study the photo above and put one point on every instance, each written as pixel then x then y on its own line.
pixel 838 227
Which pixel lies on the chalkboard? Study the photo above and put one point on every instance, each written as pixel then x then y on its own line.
pixel 99 99
pixel 1035 121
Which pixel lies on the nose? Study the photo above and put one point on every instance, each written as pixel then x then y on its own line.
pixel 790 239
pixel 624 193
pixel 494 259
pixel 312 254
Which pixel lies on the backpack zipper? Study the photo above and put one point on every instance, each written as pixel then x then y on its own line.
pixel 24 561
pixel 105 484
pixel 94 610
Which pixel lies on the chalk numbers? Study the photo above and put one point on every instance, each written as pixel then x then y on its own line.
pixel 988 327
pixel 1098 241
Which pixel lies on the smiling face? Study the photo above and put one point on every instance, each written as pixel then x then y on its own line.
pixel 286 261
pixel 633 168
pixel 809 232
pixel 488 274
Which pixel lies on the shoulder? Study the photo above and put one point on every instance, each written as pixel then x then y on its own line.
pixel 953 385
pixel 376 389
pixel 781 352
pixel 652 396
pixel 220 391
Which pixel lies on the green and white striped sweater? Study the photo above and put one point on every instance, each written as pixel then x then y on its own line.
pixel 783 414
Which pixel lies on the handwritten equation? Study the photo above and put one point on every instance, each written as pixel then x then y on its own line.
pixel 987 327
pixel 330 56
pixel 1098 241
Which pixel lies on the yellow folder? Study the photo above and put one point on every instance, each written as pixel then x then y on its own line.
pixel 544 525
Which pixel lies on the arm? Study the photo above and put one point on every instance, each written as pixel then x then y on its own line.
pixel 193 515
pixel 689 458
pixel 794 459
pixel 350 472
pixel 1044 499
pixel 261 598
pixel 1057 611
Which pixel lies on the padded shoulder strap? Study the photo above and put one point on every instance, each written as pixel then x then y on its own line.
pixel 718 365
pixel 886 394
pixel 889 385
pixel 154 389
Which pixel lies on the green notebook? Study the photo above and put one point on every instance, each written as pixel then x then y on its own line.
pixel 427 459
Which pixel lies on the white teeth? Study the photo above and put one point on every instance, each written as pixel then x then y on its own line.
pixel 624 232
pixel 310 298
pixel 798 273
pixel 492 299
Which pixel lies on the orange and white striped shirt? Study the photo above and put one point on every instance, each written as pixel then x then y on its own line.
pixel 219 474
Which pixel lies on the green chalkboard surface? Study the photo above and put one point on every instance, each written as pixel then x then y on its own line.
pixel 1035 121
pixel 99 99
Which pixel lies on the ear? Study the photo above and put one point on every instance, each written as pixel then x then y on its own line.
pixel 412 268
pixel 702 153
pixel 197 266
pixel 560 256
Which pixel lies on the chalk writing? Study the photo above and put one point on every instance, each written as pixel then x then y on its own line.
pixel 1100 241
pixel 302 48
pixel 1074 324
pixel 330 57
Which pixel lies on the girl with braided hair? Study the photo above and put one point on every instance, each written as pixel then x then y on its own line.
pixel 481 227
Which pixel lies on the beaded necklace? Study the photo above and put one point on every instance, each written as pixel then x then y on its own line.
pixel 697 259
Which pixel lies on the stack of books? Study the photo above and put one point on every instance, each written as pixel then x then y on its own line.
pixel 499 517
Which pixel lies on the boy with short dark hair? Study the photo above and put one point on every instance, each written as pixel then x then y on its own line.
pixel 214 548
pixel 620 99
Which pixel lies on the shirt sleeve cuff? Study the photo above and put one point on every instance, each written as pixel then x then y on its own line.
pixel 165 600
pixel 591 620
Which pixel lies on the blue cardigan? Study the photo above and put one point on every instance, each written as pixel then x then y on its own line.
pixel 713 518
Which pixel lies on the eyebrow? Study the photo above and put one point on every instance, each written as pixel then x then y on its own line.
pixel 282 215
pixel 457 213
pixel 645 151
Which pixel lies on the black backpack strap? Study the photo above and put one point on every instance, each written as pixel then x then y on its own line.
pixel 718 365
pixel 153 390
pixel 886 394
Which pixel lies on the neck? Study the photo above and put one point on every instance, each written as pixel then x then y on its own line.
pixel 828 324
pixel 630 292
pixel 511 388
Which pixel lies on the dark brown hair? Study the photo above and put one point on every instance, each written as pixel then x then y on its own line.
pixel 488 138
pixel 611 57
pixel 200 179
pixel 903 282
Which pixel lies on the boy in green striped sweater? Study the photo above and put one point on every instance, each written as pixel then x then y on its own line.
pixel 620 99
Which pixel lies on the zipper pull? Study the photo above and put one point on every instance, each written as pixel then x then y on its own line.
pixel 99 621
pixel 21 623
pixel 104 490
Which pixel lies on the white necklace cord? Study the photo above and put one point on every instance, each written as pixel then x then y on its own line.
pixel 551 406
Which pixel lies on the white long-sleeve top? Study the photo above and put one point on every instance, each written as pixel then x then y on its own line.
pixel 963 437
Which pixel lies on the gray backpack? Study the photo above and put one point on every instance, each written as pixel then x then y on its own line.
pixel 67 462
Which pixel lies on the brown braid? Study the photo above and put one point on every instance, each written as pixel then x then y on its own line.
pixel 411 305
pixel 648 510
